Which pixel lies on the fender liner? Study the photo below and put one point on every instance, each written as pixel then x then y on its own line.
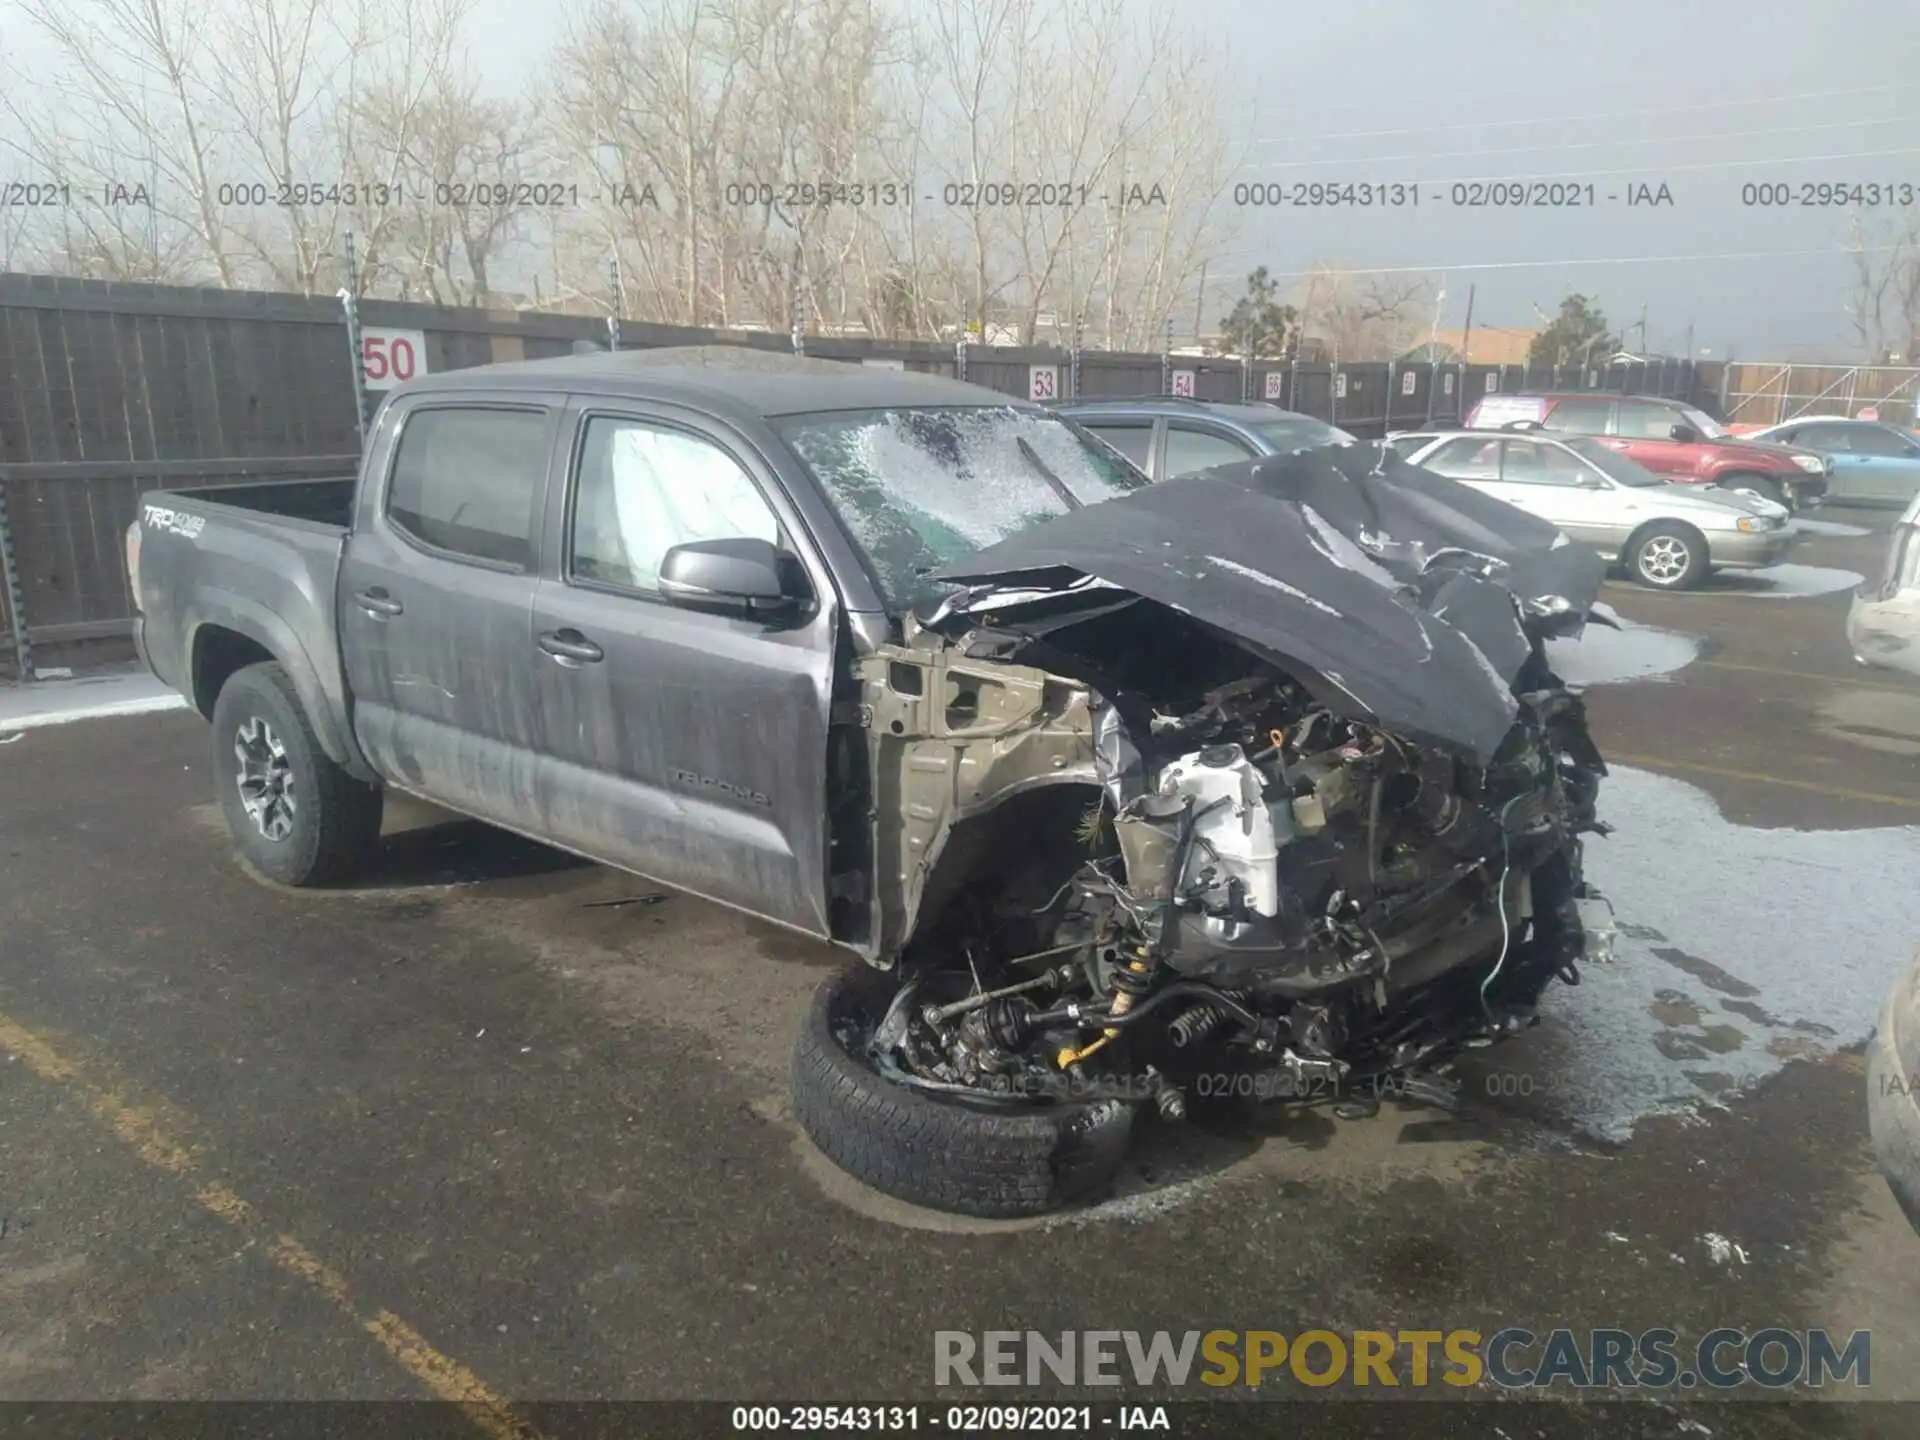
pixel 326 709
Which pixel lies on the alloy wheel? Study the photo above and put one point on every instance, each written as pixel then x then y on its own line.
pixel 1664 559
pixel 265 779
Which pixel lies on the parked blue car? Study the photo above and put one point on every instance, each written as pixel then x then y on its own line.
pixel 1873 462
pixel 1169 437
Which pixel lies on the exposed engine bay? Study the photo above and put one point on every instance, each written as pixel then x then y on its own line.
pixel 1338 877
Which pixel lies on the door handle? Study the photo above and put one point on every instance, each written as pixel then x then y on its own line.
pixel 571 648
pixel 377 603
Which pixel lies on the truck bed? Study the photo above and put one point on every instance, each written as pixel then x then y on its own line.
pixel 230 572
pixel 326 501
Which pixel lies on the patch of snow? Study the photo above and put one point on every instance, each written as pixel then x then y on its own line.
pixel 1720 1249
pixel 1603 656
pixel 1786 582
pixel 1831 527
pixel 1780 944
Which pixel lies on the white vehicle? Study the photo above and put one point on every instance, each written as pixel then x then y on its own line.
pixel 1884 623
pixel 1671 537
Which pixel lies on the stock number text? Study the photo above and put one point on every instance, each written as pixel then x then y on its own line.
pixel 1816 193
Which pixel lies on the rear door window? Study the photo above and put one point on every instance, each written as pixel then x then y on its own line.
pixel 467 480
pixel 1472 459
pixel 1639 421
pixel 1869 440
pixel 1189 450
pixel 1579 417
pixel 1535 462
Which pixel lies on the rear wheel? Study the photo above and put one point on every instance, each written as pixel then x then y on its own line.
pixel 1668 556
pixel 294 814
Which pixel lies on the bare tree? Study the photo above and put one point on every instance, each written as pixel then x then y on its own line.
pixel 1081 140
pixel 1363 316
pixel 236 121
pixel 726 144
pixel 1883 296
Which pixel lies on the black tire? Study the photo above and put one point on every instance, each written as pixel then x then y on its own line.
pixel 1893 1093
pixel 1763 486
pixel 334 820
pixel 1668 555
pixel 996 1162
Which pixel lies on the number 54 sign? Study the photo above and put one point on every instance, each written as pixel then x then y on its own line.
pixel 391 357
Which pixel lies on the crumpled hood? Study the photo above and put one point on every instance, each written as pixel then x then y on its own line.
pixel 1396 594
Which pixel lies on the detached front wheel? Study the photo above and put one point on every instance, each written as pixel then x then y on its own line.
pixel 295 815
pixel 993 1156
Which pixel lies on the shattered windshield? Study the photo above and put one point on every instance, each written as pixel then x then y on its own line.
pixel 920 488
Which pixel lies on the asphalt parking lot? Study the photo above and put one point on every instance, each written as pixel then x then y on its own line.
pixel 500 1125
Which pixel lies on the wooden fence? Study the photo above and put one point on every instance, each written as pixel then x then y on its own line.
pixel 107 390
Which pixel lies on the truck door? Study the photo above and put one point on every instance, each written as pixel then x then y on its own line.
pixel 684 746
pixel 436 601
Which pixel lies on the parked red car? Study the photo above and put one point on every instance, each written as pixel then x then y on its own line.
pixel 1673 439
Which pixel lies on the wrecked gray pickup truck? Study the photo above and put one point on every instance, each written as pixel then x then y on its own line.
pixel 1116 789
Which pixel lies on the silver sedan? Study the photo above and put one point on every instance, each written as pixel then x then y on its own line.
pixel 1884 623
pixel 1669 536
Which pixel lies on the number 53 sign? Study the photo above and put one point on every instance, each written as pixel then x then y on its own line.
pixel 391 357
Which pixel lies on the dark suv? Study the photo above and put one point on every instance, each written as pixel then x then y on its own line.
pixel 1675 440
pixel 1168 437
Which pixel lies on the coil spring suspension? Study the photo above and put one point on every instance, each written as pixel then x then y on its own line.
pixel 1200 1021
pixel 1132 978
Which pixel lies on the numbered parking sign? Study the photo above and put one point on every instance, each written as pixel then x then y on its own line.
pixel 1447 383
pixel 1407 382
pixel 1493 381
pixel 1043 382
pixel 1340 386
pixel 1274 387
pixel 391 357
pixel 1183 383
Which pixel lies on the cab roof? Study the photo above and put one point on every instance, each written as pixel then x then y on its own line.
pixel 730 379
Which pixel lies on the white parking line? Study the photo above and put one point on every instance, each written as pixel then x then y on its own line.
pixel 99 709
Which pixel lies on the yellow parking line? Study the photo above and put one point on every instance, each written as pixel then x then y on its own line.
pixel 141 1128
pixel 1838 792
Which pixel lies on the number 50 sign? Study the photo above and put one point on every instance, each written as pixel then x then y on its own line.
pixel 391 357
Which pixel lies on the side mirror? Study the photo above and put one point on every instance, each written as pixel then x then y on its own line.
pixel 752 579
pixel 1685 434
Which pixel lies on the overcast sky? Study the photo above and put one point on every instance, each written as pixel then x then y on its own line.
pixel 1704 97
pixel 1788 93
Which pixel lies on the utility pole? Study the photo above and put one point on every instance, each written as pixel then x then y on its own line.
pixel 1433 356
pixel 613 314
pixel 350 303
